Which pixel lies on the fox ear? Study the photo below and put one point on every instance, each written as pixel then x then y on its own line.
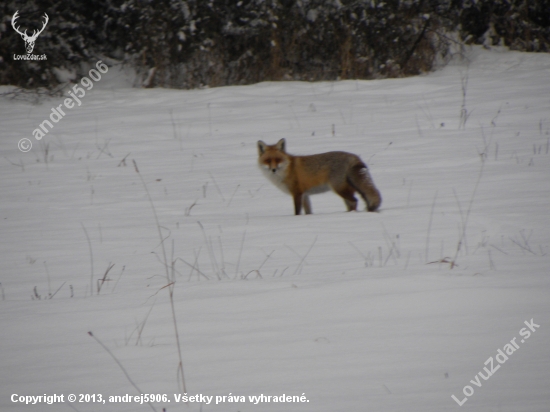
pixel 281 145
pixel 261 147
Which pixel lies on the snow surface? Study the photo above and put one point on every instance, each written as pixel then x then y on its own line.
pixel 358 311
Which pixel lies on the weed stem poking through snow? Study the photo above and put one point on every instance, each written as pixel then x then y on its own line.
pixel 463 231
pixel 430 227
pixel 120 366
pixel 171 282
pixel 91 259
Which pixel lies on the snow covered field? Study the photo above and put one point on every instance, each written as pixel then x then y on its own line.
pixel 357 311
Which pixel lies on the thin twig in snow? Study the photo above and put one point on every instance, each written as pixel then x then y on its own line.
pixel 121 367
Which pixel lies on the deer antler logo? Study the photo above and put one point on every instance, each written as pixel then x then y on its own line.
pixel 29 40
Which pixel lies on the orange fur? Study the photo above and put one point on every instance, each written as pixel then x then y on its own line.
pixel 302 176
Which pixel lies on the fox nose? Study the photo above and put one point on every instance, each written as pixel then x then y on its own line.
pixel 274 170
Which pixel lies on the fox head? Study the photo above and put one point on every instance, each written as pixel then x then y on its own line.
pixel 272 158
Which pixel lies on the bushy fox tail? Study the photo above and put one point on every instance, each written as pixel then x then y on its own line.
pixel 360 179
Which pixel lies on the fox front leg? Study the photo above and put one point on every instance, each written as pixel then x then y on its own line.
pixel 297 203
pixel 299 200
pixel 307 204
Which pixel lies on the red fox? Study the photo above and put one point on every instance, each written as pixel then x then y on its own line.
pixel 301 176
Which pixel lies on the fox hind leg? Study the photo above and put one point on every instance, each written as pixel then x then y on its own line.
pixel 351 204
pixel 347 193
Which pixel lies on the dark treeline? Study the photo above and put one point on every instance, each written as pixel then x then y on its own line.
pixel 196 43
